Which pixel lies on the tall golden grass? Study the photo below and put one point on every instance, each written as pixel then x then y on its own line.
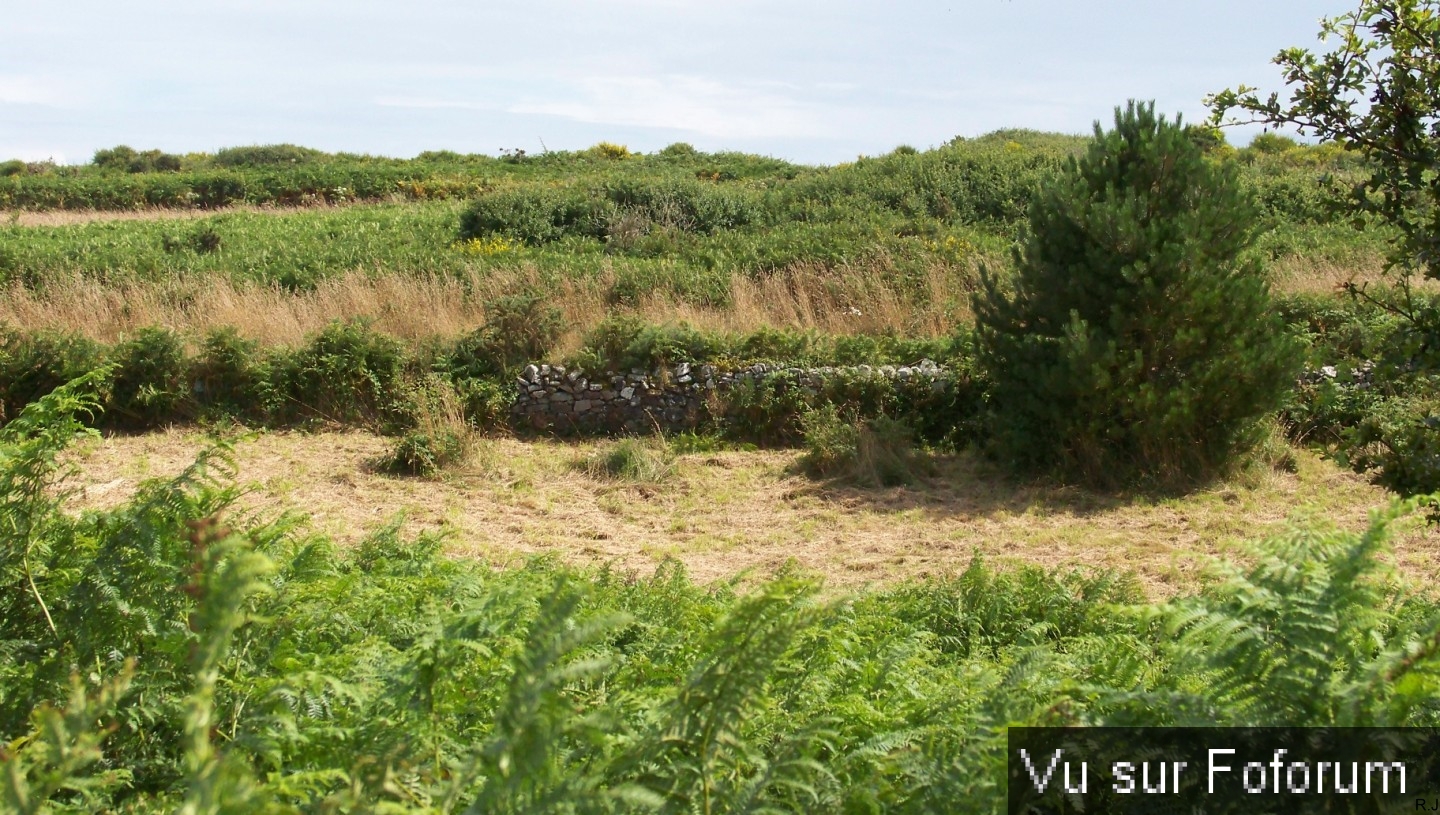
pixel 860 298
pixel 850 300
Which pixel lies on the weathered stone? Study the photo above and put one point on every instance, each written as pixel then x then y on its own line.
pixel 627 393
pixel 561 396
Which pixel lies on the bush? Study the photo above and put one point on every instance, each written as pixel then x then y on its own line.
pixel 518 330
pixel 441 437
pixel 535 217
pixel 266 155
pixel 150 386
pixel 128 160
pixel 644 461
pixel 226 375
pixel 874 453
pixel 347 374
pixel 1139 346
pixel 34 364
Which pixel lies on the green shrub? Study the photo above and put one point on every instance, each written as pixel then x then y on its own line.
pixel 535 216
pixel 1139 345
pixel 33 364
pixel 202 241
pixel 441 438
pixel 518 330
pixel 1270 143
pixel 874 453
pixel 150 385
pixel 486 402
pixel 346 374
pixel 227 376
pixel 641 461
pixel 426 454
pixel 128 160
pixel 766 411
pixel 1397 442
pixel 266 155
pixel 13 167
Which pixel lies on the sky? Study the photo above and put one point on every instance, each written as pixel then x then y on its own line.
pixel 803 80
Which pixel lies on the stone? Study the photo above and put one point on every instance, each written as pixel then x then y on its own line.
pixel 530 374
pixel 627 393
pixel 583 405
pixel 561 396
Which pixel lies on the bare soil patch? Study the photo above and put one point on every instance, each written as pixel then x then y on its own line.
pixel 723 514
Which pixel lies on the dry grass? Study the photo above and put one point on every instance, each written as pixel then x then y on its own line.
pixel 848 300
pixel 863 298
pixel 725 513
pixel 64 217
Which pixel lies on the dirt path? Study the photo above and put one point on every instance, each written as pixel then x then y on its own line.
pixel 725 513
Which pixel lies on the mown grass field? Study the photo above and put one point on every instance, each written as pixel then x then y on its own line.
pixel 725 513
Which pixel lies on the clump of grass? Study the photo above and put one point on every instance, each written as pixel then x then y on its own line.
pixel 441 439
pixel 876 453
pixel 642 461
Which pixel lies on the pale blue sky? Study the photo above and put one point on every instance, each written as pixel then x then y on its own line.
pixel 809 81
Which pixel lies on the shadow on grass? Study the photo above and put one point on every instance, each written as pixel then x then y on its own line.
pixel 966 485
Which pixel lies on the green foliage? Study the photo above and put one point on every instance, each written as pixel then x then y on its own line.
pixel 517 330
pixel 151 385
pixel 346 374
pixel 227 375
pixel 265 155
pixel 34 364
pixel 201 241
pixel 671 223
pixel 128 160
pixel 423 453
pixel 1378 93
pixel 1315 631
pixel 875 453
pixel 1271 143
pixel 624 343
pixel 441 434
pixel 642 461
pixel 1138 345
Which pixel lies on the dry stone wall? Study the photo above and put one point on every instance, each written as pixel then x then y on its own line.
pixel 674 399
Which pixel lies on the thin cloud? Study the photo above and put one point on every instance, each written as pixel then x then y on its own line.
pixel 426 103
pixel 30 90
pixel 688 103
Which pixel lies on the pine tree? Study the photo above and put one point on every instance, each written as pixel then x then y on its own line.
pixel 1138 346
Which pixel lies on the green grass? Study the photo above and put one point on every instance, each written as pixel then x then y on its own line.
pixel 672 221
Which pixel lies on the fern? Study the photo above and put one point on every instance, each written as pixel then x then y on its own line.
pixel 1310 635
